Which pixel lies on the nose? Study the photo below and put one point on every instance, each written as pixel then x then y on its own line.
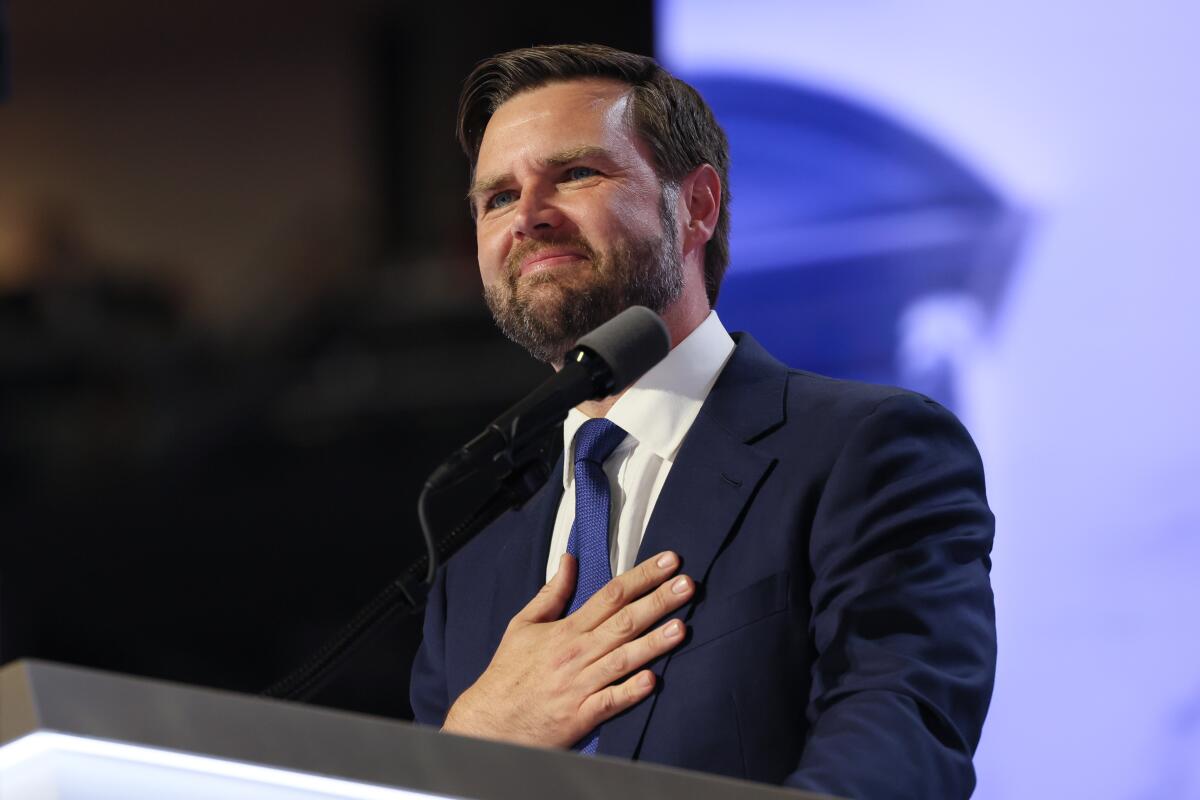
pixel 535 217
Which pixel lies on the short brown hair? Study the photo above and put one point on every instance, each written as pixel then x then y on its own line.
pixel 668 114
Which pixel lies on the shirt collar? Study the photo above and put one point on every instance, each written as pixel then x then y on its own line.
pixel 660 407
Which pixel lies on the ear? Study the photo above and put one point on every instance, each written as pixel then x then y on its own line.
pixel 700 198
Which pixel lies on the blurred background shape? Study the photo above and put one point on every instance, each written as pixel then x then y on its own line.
pixel 861 248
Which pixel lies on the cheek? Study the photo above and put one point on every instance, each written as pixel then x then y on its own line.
pixel 620 215
pixel 491 250
pixel 638 208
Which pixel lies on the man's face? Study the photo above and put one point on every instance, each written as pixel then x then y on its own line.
pixel 572 223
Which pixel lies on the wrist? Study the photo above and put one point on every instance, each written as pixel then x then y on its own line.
pixel 460 721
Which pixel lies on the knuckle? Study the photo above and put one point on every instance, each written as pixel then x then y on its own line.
pixel 566 655
pixel 618 662
pixel 613 593
pixel 623 624
pixel 561 717
pixel 567 626
pixel 557 686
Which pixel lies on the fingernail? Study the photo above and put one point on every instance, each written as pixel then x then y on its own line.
pixel 665 560
pixel 680 586
pixel 645 681
pixel 673 630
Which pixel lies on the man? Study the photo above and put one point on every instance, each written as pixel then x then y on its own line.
pixel 801 589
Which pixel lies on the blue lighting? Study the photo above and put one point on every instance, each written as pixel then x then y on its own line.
pixel 1038 161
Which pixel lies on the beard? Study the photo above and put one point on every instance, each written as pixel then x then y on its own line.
pixel 548 311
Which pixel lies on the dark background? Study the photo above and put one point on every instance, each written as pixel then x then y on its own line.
pixel 239 322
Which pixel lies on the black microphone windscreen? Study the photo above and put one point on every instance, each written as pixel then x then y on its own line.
pixel 630 343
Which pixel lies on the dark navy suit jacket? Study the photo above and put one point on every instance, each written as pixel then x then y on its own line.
pixel 843 636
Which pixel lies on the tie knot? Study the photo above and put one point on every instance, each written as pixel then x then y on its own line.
pixel 596 440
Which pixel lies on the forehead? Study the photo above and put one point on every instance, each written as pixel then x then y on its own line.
pixel 565 114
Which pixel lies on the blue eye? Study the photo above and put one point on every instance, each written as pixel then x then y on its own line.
pixel 579 173
pixel 501 199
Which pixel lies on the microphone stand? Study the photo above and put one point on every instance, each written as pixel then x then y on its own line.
pixel 409 590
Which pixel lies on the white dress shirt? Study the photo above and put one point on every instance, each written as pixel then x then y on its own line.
pixel 656 412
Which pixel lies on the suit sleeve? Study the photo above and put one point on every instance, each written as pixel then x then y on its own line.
pixel 903 618
pixel 428 692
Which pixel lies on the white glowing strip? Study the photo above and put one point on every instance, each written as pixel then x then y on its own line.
pixel 43 743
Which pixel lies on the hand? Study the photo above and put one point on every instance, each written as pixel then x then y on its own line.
pixel 553 680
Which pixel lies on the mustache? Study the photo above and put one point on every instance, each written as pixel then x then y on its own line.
pixel 531 247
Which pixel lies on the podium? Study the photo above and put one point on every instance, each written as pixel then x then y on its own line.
pixel 68 732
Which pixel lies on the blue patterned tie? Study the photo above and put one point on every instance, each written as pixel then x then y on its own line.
pixel 594 443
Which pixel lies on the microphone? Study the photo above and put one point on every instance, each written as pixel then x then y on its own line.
pixel 602 363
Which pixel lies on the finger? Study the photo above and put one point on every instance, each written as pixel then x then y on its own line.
pixel 631 655
pixel 624 589
pixel 550 601
pixel 612 700
pixel 639 615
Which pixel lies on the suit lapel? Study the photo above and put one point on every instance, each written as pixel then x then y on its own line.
pixel 709 486
pixel 522 562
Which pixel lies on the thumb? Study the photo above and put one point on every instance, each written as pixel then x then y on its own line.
pixel 548 604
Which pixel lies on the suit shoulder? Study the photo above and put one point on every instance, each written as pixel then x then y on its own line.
pixel 833 399
pixel 825 413
pixel 816 409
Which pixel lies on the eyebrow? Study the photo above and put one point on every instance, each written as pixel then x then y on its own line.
pixel 559 159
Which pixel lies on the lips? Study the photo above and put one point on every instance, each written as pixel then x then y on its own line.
pixel 550 258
